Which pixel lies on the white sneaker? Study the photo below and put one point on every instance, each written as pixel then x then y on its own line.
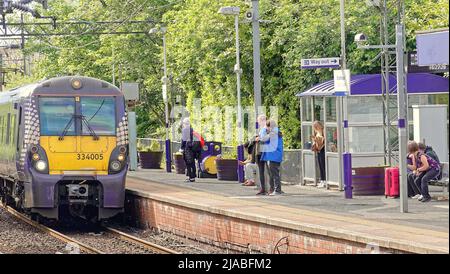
pixel 420 197
pixel 321 184
pixel 416 197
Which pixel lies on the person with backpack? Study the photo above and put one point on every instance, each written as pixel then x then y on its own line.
pixel 191 146
pixel 428 150
pixel 424 168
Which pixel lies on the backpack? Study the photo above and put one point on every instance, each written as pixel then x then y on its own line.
pixel 432 154
pixel 196 144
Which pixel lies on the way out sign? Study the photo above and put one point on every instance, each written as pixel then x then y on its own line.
pixel 341 82
pixel 333 62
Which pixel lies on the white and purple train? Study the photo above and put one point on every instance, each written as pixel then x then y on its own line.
pixel 64 148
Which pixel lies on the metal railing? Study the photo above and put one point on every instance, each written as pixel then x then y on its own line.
pixel 290 167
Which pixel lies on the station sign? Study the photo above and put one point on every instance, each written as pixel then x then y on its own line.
pixel 432 47
pixel 333 62
pixel 341 82
pixel 413 65
pixel 164 93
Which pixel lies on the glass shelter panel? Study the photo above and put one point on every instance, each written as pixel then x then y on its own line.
pixel 330 109
pixel 331 138
pixel 366 139
pixel 318 109
pixel 307 133
pixel 306 109
pixel 367 109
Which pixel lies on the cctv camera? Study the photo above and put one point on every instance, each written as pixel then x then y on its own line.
pixel 374 3
pixel 360 38
pixel 249 15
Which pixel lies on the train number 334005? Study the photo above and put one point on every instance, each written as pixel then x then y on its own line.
pixel 89 156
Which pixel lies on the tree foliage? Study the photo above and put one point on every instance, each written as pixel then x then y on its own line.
pixel 201 50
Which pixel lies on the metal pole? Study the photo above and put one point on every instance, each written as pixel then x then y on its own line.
pixel 133 140
pixel 238 75
pixel 256 58
pixel 343 46
pixel 1 72
pixel 386 84
pixel 166 106
pixel 345 168
pixel 240 151
pixel 402 116
pixel 113 69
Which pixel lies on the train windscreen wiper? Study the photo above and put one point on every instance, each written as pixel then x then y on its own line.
pixel 97 111
pixel 66 128
pixel 86 123
pixel 91 130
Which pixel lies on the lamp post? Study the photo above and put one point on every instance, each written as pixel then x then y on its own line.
pixel 163 31
pixel 402 105
pixel 234 11
pixel 256 58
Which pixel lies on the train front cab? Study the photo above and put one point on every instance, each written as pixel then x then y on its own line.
pixel 79 162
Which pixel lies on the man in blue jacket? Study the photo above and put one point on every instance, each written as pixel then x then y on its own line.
pixel 272 153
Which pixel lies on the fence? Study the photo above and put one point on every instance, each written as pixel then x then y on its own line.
pixel 290 167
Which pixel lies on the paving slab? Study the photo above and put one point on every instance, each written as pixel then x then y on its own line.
pixel 365 218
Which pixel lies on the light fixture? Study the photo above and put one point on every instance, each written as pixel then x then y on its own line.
pixel 229 10
pixel 41 165
pixel 76 84
pixel 115 166
pixel 121 157
pixel 36 157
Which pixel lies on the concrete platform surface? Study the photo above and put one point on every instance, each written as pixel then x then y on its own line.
pixel 365 219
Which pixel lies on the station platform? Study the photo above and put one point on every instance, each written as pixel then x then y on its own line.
pixel 312 220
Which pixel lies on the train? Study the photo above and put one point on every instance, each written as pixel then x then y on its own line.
pixel 64 148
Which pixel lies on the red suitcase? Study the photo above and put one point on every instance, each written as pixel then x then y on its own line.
pixel 391 182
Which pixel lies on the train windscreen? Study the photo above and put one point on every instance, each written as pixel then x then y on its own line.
pixel 56 114
pixel 100 114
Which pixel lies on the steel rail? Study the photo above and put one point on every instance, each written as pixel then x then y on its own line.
pixel 152 246
pixel 50 231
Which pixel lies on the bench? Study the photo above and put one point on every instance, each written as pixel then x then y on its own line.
pixel 444 181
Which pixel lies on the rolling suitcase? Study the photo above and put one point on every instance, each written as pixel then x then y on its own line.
pixel 391 182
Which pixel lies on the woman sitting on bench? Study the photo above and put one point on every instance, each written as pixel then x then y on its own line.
pixel 424 168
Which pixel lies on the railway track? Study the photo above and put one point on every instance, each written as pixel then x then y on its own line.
pixel 114 234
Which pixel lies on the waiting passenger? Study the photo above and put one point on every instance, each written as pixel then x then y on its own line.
pixel 273 155
pixel 428 150
pixel 424 168
pixel 413 190
pixel 261 164
pixel 318 146
pixel 250 167
pixel 191 148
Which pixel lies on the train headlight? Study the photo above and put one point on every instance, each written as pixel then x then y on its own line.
pixel 76 84
pixel 121 157
pixel 36 157
pixel 122 149
pixel 41 165
pixel 115 166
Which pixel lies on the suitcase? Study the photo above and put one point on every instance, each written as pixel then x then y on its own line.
pixel 391 182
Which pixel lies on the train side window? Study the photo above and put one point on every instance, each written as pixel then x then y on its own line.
pixel 8 128
pixel 18 129
pixel 2 129
pixel 12 129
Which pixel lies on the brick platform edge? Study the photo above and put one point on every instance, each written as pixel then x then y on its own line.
pixel 237 233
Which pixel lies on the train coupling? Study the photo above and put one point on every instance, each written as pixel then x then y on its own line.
pixel 78 193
